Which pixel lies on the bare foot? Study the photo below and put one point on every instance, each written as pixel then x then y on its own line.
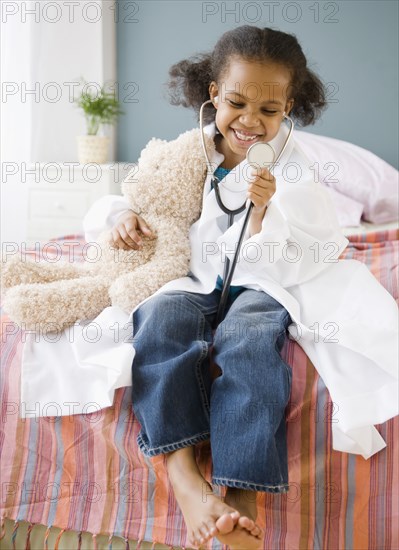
pixel 200 507
pixel 246 533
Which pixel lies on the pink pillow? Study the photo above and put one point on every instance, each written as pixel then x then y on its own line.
pixel 355 173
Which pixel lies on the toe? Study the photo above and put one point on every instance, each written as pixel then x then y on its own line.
pixel 204 533
pixel 198 538
pixel 256 531
pixel 193 542
pixel 212 529
pixel 247 523
pixel 225 524
pixel 250 525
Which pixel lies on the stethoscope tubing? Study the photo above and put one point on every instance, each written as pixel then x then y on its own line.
pixel 229 271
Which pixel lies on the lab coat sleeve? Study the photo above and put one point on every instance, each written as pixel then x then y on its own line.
pixel 102 215
pixel 300 237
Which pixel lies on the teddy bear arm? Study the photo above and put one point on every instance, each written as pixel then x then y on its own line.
pixel 19 271
pixel 56 305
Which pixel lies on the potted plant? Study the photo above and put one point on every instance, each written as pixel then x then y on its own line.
pixel 99 108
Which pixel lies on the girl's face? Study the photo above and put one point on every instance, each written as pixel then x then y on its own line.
pixel 252 98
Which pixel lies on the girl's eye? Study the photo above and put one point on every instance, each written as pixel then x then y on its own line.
pixel 235 104
pixel 240 105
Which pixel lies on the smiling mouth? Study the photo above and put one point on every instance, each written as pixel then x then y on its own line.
pixel 247 137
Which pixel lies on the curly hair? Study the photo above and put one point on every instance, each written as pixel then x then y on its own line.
pixel 190 78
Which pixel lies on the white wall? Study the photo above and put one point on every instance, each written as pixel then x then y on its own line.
pixel 44 50
pixel 16 125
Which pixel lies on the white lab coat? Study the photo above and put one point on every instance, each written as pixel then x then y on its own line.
pixel 345 321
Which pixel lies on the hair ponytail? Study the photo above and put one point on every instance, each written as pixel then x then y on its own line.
pixel 310 99
pixel 189 83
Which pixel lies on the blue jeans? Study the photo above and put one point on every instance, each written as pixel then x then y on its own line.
pixel 242 411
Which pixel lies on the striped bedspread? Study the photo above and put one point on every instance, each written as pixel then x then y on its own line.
pixel 85 473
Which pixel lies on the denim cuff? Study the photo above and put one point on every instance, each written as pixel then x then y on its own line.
pixel 154 451
pixel 282 488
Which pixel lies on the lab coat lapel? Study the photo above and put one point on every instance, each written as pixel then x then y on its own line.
pixel 210 208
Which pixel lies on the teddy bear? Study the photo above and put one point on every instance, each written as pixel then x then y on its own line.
pixel 166 189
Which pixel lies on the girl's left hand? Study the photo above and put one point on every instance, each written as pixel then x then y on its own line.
pixel 261 189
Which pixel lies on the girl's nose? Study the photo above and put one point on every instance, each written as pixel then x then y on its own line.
pixel 249 118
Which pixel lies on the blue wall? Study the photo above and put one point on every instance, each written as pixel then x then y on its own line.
pixel 351 44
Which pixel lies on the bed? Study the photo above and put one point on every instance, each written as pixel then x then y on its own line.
pixel 84 473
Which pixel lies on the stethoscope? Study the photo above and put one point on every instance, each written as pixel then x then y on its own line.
pixel 259 154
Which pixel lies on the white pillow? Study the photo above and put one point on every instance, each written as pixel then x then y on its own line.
pixel 355 173
pixel 347 210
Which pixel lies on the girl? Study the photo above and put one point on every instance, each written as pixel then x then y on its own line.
pixel 253 77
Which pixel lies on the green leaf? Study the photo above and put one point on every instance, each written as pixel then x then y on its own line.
pixel 100 108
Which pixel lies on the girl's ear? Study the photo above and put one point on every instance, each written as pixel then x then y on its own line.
pixel 288 106
pixel 213 93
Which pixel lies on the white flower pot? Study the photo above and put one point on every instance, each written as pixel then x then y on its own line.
pixel 93 149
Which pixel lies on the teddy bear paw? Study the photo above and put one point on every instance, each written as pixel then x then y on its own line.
pixel 126 295
pixel 26 306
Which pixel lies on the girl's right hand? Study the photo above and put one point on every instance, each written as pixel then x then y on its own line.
pixel 125 234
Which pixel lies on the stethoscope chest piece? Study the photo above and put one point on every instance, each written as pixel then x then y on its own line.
pixel 261 155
